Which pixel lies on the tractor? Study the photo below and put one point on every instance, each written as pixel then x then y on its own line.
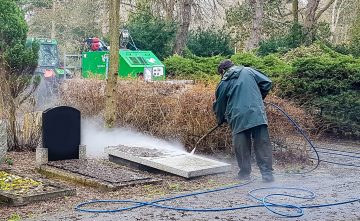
pixel 49 61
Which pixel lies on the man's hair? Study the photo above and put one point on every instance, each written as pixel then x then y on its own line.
pixel 224 65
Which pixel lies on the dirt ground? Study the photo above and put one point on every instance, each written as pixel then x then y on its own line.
pixel 331 183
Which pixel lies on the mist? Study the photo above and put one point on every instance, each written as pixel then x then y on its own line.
pixel 96 138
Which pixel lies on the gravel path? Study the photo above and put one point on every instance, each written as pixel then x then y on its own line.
pixel 331 183
pixel 330 187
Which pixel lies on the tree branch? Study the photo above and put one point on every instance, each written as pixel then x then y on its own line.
pixel 330 2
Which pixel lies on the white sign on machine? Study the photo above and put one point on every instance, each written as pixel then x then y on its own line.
pixel 150 72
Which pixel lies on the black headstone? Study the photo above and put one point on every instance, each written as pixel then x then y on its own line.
pixel 61 132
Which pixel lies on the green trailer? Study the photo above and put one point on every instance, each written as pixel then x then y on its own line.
pixel 132 64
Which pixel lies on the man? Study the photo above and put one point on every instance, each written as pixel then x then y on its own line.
pixel 239 102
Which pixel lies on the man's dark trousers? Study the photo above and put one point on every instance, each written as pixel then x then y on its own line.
pixel 262 147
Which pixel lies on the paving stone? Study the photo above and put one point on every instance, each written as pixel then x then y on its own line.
pixel 175 162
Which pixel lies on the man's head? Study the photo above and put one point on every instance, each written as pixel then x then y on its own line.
pixel 224 66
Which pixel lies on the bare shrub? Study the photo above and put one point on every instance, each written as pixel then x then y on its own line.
pixel 86 95
pixel 16 90
pixel 289 146
pixel 181 112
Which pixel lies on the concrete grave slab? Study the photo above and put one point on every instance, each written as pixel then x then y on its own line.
pixel 175 162
pixel 95 173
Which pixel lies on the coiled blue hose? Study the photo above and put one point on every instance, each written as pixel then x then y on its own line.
pixel 265 201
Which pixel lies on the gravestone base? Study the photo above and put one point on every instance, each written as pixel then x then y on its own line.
pixel 42 155
pixel 82 152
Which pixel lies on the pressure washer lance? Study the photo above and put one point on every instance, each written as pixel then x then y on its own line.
pixel 201 138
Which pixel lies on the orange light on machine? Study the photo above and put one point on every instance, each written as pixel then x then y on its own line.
pixel 49 73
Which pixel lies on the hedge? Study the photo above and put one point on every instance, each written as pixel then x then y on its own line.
pixel 325 82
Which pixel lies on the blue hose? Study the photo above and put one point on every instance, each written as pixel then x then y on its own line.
pixel 318 160
pixel 341 151
pixel 264 201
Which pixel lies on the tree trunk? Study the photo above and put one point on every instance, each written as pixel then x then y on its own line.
pixel 53 30
pixel 14 142
pixel 110 90
pixel 183 31
pixel 295 11
pixel 258 14
pixel 335 15
pixel 104 18
pixel 309 23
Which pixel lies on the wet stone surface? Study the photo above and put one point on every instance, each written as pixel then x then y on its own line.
pixel 175 162
pixel 98 170
pixel 140 151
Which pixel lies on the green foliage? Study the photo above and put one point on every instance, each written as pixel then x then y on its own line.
pixel 277 44
pixel 198 67
pixel 21 58
pixel 209 42
pixel 316 77
pixel 152 33
pixel 13 27
pixel 13 30
pixel 14 217
pixel 330 83
pixel 271 65
pixel 320 76
pixel 303 51
pixel 193 66
pixel 342 111
pixel 35 3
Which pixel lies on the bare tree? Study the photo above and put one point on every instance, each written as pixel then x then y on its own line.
pixel 183 31
pixel 169 8
pixel 295 11
pixel 257 7
pixel 312 14
pixel 337 9
pixel 53 30
pixel 110 90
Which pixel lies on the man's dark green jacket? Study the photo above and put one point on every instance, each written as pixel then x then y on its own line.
pixel 239 98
